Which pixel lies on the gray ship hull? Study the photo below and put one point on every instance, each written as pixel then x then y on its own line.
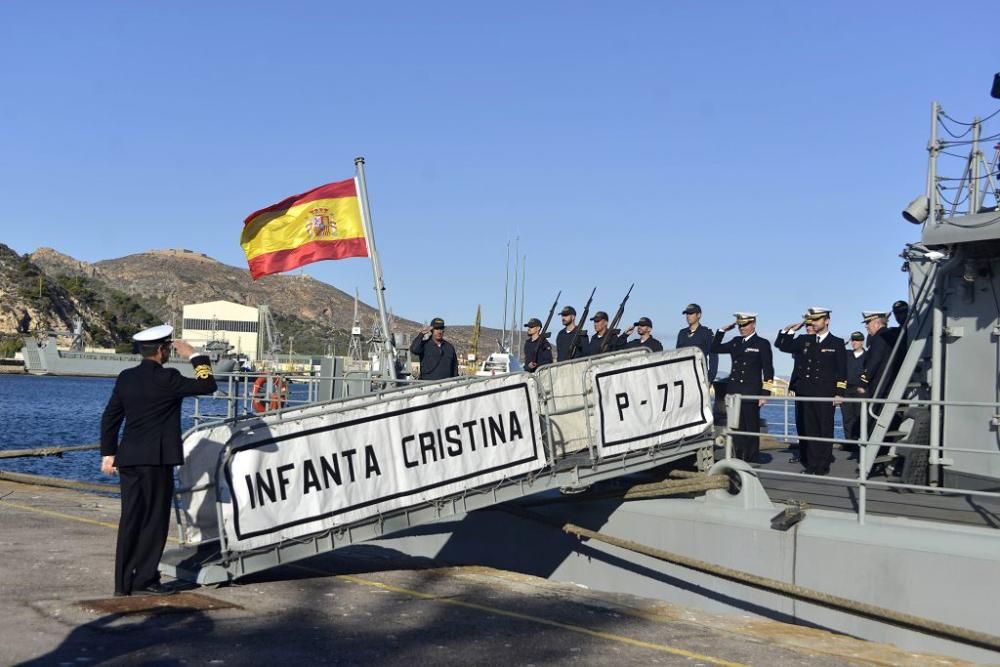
pixel 47 359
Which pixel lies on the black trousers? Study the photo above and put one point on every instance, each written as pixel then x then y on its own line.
pixel 746 447
pixel 147 492
pixel 800 428
pixel 851 414
pixel 817 418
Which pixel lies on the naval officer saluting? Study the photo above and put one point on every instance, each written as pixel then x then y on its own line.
pixel 148 398
pixel 751 373
pixel 822 373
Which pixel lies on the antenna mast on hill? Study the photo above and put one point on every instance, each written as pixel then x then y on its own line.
pixel 514 329
pixel 506 291
pixel 520 326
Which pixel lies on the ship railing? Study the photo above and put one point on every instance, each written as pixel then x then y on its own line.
pixel 862 482
pixel 236 392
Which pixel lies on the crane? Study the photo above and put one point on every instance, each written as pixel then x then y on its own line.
pixel 473 357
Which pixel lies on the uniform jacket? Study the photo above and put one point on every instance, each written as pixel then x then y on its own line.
pixel 876 365
pixel 539 351
pixel 564 340
pixel 890 335
pixel 148 398
pixel 855 367
pixel 753 362
pixel 651 343
pixel 822 366
pixel 594 346
pixel 781 342
pixel 436 362
pixel 702 339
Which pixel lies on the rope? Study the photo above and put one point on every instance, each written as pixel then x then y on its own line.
pixel 690 482
pixel 714 482
pixel 964 635
pixel 686 474
pixel 55 450
pixel 41 480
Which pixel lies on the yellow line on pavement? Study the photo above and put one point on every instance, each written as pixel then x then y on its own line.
pixel 73 517
pixel 600 634
pixel 450 601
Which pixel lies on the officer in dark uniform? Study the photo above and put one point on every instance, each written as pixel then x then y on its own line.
pixel 876 358
pixel 851 412
pixel 601 330
pixel 900 311
pixel 438 359
pixel 696 335
pixel 752 374
pixel 782 342
pixel 148 399
pixel 537 350
pixel 645 339
pixel 564 339
pixel 822 374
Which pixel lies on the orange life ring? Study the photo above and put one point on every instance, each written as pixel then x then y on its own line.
pixel 278 397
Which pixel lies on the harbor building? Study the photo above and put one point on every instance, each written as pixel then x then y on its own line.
pixel 234 323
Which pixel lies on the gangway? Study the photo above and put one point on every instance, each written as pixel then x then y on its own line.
pixel 258 492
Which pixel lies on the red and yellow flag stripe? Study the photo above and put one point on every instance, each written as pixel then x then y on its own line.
pixel 323 223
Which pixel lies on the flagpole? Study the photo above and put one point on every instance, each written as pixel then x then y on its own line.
pixel 388 369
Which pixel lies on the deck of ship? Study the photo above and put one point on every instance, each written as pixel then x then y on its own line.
pixel 831 495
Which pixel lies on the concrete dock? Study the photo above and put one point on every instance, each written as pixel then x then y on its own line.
pixel 360 605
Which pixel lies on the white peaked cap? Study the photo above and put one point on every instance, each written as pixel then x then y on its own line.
pixel 153 334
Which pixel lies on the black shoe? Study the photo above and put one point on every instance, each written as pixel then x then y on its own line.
pixel 795 459
pixel 154 589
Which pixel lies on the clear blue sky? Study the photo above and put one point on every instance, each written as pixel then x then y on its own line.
pixel 742 155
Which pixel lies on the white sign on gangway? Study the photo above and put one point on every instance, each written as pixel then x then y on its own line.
pixel 301 477
pixel 657 400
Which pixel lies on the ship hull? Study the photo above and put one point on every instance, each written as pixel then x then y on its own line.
pixel 46 359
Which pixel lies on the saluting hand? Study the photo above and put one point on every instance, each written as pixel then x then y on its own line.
pixel 794 327
pixel 628 332
pixel 183 348
pixel 728 327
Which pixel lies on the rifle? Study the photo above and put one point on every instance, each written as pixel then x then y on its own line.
pixel 548 320
pixel 612 332
pixel 579 326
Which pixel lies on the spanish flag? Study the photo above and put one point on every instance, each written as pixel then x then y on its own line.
pixel 324 223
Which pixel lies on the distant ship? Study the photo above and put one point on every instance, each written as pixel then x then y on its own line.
pixel 45 358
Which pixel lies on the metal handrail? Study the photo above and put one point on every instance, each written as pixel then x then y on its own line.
pixel 862 482
pixel 868 443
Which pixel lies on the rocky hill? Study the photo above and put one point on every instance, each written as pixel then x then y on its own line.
pixel 32 299
pixel 159 283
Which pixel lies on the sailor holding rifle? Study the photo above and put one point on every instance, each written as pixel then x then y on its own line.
pixel 567 336
pixel 537 350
